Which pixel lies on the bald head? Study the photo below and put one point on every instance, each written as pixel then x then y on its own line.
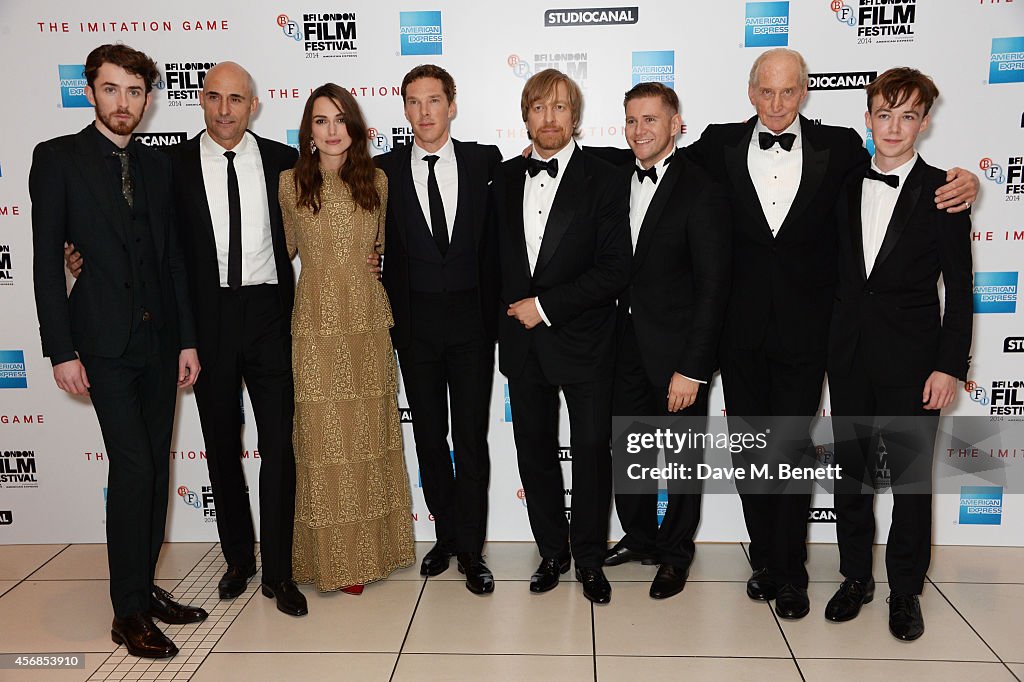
pixel 778 87
pixel 776 59
pixel 228 99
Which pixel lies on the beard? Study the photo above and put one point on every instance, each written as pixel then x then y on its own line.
pixel 120 127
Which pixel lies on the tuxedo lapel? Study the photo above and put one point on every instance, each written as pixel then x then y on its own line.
pixel 100 183
pixel 157 222
pixel 563 209
pixel 193 166
pixel 465 202
pixel 666 185
pixel 516 185
pixel 406 198
pixel 901 213
pixel 815 165
pixel 739 174
pixel 855 222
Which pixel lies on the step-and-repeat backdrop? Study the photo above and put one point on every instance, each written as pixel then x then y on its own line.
pixel 52 461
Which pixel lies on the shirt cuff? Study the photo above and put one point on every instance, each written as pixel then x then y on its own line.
pixel 62 358
pixel 540 309
pixel 698 381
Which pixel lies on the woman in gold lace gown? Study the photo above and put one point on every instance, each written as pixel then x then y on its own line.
pixel 353 521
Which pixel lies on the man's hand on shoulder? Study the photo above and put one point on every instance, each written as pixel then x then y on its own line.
pixel 959 192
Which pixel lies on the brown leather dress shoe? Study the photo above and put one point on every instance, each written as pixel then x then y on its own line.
pixel 162 607
pixel 141 637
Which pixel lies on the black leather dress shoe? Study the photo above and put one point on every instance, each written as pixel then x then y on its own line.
pixel 760 587
pixel 141 637
pixel 619 554
pixel 546 576
pixel 289 599
pixel 906 622
pixel 846 602
pixel 596 587
pixel 163 607
pixel 792 603
pixel 669 582
pixel 479 579
pixel 435 562
pixel 235 580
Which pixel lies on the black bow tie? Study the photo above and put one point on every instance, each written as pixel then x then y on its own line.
pixel 785 140
pixel 534 166
pixel 891 180
pixel 651 174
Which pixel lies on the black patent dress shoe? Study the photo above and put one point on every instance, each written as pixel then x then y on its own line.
pixel 546 576
pixel 163 607
pixel 791 602
pixel 141 637
pixel 846 602
pixel 596 587
pixel 289 599
pixel 479 579
pixel 235 580
pixel 760 587
pixel 619 554
pixel 669 581
pixel 906 622
pixel 435 562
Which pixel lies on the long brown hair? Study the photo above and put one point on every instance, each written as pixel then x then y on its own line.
pixel 357 172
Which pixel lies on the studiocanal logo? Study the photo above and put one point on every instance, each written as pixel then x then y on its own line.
pixel 1007 62
pixel 12 369
pixel 6 270
pixel 327 35
pixel 657 66
pixel 846 80
pixel 184 81
pixel 981 505
pixel 420 33
pixel 878 21
pixel 159 139
pixel 572 64
pixel 995 292
pixel 821 515
pixel 767 24
pixel 6 517
pixel 592 16
pixel 18 469
pixel 72 86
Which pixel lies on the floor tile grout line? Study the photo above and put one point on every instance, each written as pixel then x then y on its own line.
pixel 593 638
pixel 778 624
pixel 408 628
pixel 983 640
pixel 40 566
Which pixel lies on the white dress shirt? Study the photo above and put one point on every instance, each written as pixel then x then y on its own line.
pixel 877 202
pixel 538 196
pixel 775 173
pixel 446 169
pixel 258 265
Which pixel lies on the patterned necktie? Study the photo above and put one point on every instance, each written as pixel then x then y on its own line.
pixel 127 185
pixel 891 180
pixel 785 140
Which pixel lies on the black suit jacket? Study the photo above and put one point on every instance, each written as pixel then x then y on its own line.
pixel 790 276
pixel 893 315
pixel 582 268
pixel 197 232
pixel 477 165
pixel 679 282
pixel 74 199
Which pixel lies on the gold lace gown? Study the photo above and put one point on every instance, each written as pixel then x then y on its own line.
pixel 353 522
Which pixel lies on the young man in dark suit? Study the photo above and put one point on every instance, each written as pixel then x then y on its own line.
pixel 125 336
pixel 894 359
pixel 669 317
pixel 564 252
pixel 784 174
pixel 239 274
pixel 441 276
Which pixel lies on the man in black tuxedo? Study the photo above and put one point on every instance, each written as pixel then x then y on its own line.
pixel 243 285
pixel 441 276
pixel 669 317
pixel 894 360
pixel 564 251
pixel 125 335
pixel 784 174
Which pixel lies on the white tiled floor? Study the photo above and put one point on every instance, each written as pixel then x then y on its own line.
pixel 53 599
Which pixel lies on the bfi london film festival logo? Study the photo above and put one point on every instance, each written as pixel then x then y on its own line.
pixel 572 64
pixel 655 66
pixel 878 21
pixel 382 142
pixel 1012 175
pixel 184 81
pixel 18 469
pixel 981 505
pixel 13 373
pixel 1003 398
pixel 844 80
pixel 329 35
pixel 766 25
pixel 995 292
pixel 6 269
pixel 1006 64
pixel 72 86
pixel 420 33
pixel 592 16
pixel 201 499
